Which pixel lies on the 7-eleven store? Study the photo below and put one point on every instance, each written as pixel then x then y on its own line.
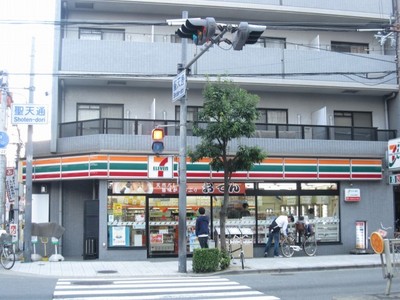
pixel 123 207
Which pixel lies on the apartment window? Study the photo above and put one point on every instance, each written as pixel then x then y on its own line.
pixel 97 34
pixel 353 118
pixel 354 126
pixel 192 116
pixel 273 116
pixel 192 113
pixel 349 47
pixel 100 118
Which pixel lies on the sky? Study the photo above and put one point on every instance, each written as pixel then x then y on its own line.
pixel 20 21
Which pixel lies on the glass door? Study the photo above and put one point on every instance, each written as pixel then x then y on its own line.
pixel 163 227
pixel 163 224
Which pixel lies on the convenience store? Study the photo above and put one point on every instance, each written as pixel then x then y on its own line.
pixel 123 211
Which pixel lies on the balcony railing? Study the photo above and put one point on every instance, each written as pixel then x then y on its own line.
pixel 275 131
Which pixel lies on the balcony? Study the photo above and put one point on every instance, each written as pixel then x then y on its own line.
pixel 271 131
pixel 270 68
pixel 367 6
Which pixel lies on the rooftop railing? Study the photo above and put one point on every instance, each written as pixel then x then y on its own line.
pixel 264 130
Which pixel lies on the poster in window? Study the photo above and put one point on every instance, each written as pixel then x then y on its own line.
pixel 118 236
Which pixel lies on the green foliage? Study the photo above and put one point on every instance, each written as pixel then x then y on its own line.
pixel 225 260
pixel 230 112
pixel 210 260
pixel 206 260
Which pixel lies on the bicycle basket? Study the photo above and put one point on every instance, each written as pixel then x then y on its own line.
pixel 5 239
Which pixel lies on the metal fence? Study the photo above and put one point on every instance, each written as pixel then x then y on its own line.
pixel 263 130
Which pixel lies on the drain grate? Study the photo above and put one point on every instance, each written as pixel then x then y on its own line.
pixel 102 282
pixel 107 271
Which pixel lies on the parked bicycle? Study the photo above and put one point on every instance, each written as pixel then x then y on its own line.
pixel 7 253
pixel 383 232
pixel 308 243
pixel 238 248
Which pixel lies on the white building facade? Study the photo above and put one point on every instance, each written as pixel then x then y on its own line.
pixel 328 104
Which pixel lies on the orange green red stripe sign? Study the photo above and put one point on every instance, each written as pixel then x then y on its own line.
pixel 136 167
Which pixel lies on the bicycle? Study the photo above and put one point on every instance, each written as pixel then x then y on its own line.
pixel 7 253
pixel 383 232
pixel 240 248
pixel 308 243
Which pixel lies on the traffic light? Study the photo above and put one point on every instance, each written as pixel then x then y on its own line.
pixel 246 34
pixel 157 136
pixel 199 30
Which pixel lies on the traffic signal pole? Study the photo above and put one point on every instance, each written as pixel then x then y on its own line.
pixel 182 252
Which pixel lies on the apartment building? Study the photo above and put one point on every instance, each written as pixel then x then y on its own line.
pixel 328 104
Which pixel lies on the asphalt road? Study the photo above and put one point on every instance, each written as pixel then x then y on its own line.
pixel 346 284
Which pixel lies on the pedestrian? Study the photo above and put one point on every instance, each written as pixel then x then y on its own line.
pixel 202 231
pixel 278 225
pixel 245 212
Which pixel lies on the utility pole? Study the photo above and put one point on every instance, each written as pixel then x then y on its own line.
pixel 3 158
pixel 29 158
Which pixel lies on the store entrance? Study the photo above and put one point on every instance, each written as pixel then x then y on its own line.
pixel 163 227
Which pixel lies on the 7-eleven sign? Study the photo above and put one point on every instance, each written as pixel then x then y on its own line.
pixel 161 166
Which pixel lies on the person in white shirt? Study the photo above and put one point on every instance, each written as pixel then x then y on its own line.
pixel 278 225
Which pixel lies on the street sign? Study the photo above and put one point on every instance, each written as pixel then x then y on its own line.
pixel 30 114
pixel 179 86
pixel 3 139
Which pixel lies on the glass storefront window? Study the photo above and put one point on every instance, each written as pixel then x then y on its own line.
pixel 127 212
pixel 322 212
pixel 241 215
pixel 320 208
pixel 270 207
pixel 126 221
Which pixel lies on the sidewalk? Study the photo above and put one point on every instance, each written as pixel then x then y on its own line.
pixel 160 267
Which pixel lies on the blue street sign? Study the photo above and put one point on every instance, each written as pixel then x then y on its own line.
pixel 3 139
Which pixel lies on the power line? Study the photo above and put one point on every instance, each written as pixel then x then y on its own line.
pixel 270 25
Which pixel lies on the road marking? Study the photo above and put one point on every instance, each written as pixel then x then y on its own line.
pixel 155 288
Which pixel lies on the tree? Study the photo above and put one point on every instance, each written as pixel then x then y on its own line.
pixel 229 113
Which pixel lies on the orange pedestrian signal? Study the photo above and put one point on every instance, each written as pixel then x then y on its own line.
pixel 157 136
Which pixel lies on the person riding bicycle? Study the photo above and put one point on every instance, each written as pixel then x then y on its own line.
pixel 278 225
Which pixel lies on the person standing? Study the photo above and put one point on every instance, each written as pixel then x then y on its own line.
pixel 277 225
pixel 245 212
pixel 202 231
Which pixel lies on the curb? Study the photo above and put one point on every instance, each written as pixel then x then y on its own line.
pixel 238 270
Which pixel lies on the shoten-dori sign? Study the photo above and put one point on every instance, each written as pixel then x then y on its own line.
pixel 30 114
pixel 179 86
